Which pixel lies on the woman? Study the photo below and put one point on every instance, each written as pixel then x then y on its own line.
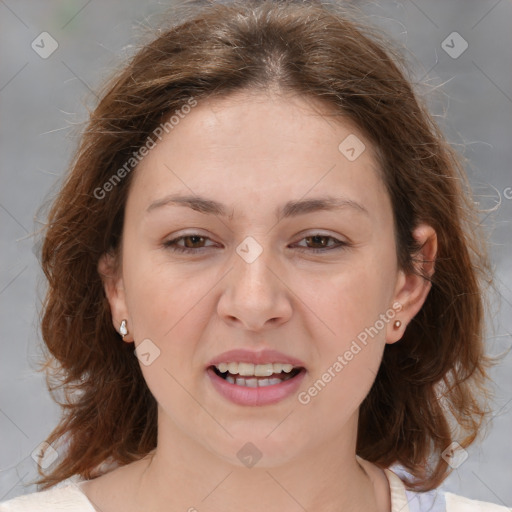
pixel 264 280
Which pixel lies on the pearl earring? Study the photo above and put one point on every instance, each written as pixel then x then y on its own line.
pixel 123 330
pixel 397 324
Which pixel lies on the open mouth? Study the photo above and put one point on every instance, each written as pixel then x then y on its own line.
pixel 253 381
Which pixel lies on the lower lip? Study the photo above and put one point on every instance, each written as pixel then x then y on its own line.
pixel 243 395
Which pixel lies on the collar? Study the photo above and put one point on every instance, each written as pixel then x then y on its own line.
pixel 399 502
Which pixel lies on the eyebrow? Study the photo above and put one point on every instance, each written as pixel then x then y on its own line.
pixel 290 209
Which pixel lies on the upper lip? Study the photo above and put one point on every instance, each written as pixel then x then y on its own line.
pixel 261 357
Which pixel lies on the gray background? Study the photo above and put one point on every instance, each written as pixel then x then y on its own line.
pixel 44 101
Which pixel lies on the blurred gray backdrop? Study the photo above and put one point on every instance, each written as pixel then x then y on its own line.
pixel 54 55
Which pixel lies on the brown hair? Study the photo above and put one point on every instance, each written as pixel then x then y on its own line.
pixel 429 387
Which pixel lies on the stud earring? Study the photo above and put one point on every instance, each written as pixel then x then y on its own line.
pixel 397 324
pixel 123 330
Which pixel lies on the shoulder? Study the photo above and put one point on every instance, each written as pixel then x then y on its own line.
pixel 436 500
pixel 443 501
pixel 65 498
pixel 456 503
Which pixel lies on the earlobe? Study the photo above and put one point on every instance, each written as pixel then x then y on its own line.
pixel 114 291
pixel 413 288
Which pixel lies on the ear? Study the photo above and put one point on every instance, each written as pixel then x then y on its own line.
pixel 113 285
pixel 412 289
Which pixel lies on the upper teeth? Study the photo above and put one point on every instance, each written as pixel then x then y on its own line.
pixel 259 370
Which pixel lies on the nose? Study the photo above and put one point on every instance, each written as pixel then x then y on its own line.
pixel 254 297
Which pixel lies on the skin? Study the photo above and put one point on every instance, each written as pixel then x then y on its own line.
pixel 253 152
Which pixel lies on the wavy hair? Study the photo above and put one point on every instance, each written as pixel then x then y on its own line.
pixel 432 386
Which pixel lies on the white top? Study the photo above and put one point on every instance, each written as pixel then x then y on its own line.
pixel 68 497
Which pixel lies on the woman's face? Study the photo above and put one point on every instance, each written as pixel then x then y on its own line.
pixel 288 232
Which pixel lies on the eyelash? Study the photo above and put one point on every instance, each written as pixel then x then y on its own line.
pixel 172 244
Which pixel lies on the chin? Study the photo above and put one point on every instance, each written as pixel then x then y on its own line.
pixel 263 450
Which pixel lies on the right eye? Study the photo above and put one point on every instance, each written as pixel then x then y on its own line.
pixel 191 243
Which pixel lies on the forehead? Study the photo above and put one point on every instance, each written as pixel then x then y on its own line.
pixel 259 145
pixel 262 122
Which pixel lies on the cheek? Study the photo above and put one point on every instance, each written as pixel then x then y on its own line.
pixel 354 308
pixel 169 307
pixel 352 299
pixel 167 302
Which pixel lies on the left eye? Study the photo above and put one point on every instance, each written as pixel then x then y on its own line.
pixel 322 242
pixel 194 243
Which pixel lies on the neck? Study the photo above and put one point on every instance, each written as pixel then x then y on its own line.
pixel 180 474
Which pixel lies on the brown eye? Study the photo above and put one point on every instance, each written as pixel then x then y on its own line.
pixel 319 240
pixel 321 243
pixel 193 241
pixel 191 244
